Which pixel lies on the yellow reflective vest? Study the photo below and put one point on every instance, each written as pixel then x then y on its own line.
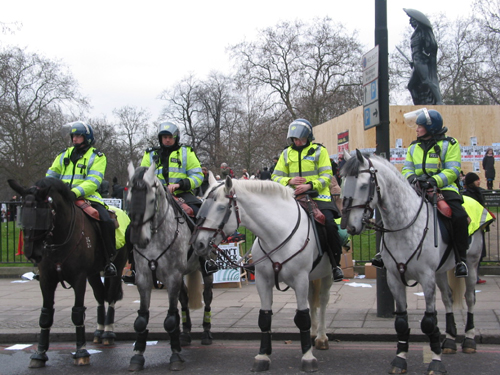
pixel 312 163
pixel 443 161
pixel 182 164
pixel 479 216
pixel 85 176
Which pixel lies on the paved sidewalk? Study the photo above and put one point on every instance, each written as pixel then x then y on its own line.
pixel 351 315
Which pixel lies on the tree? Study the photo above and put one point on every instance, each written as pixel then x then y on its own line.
pixel 35 94
pixel 312 71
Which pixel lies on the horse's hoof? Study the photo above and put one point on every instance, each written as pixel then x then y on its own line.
pixel 261 363
pixel 137 363
pixel 469 346
pixel 37 363
pixel 82 361
pixel 98 336
pixel 309 365
pixel 176 362
pixel 449 346
pixel 436 368
pixel 185 339
pixel 321 344
pixel 206 338
pixel 108 338
pixel 398 366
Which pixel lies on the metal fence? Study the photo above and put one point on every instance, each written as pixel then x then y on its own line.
pixel 363 246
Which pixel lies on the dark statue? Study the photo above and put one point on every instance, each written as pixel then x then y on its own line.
pixel 423 84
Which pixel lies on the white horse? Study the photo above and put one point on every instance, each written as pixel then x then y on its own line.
pixel 160 234
pixel 285 251
pixel 409 252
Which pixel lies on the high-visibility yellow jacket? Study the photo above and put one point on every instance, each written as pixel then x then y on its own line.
pixel 479 216
pixel 312 163
pixel 443 161
pixel 85 176
pixel 183 168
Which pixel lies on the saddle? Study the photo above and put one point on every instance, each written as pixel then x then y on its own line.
pixel 318 215
pixel 185 207
pixel 91 212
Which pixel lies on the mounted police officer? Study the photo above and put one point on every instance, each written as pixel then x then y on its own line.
pixel 306 166
pixel 434 160
pixel 83 167
pixel 179 170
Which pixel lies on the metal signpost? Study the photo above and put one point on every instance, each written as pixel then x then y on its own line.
pixel 370 64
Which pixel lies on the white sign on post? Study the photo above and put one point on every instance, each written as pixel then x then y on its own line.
pixel 369 62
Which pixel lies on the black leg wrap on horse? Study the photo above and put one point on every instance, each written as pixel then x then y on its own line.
pixel 141 322
pixel 110 316
pixel 403 331
pixel 78 315
pixel 43 340
pixel 470 322
pixel 265 319
pixel 80 337
pixel 303 322
pixel 101 314
pixel 140 342
pixel 451 327
pixel 429 323
pixel 46 318
pixel 172 320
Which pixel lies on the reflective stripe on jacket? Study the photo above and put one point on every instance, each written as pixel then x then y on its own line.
pixel 182 164
pixel 85 176
pixel 443 166
pixel 312 163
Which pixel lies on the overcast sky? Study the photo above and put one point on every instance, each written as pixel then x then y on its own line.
pixel 125 52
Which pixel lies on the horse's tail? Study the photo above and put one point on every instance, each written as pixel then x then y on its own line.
pixel 195 287
pixel 457 286
pixel 315 286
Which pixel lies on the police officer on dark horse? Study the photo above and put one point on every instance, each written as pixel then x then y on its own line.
pixel 82 167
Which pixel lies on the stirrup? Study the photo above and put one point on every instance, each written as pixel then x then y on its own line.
pixel 110 270
pixel 338 275
pixel 129 279
pixel 210 266
pixel 461 270
pixel 377 261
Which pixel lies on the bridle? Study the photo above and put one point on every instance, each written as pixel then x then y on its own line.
pixel 138 207
pixel 232 203
pixel 368 214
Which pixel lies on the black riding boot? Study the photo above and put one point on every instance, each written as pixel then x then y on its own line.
pixel 108 234
pixel 129 279
pixel 208 266
pixel 334 248
pixel 461 269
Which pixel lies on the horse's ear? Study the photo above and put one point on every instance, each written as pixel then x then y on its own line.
pixel 347 155
pixel 16 187
pixel 131 170
pixel 360 156
pixel 229 184
pixel 149 176
pixel 211 178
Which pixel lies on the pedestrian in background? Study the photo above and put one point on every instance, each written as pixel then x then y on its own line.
pixel 489 168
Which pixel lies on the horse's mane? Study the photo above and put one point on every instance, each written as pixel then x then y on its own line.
pixel 352 166
pixel 264 187
pixel 139 174
pixel 55 184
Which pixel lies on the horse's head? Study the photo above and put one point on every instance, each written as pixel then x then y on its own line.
pixel 360 193
pixel 37 216
pixel 217 218
pixel 143 197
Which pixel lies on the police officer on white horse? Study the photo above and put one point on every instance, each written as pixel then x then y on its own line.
pixel 434 160
pixel 306 166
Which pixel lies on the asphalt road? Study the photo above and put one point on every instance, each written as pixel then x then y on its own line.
pixel 236 357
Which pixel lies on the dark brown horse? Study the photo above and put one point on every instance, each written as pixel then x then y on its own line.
pixel 65 244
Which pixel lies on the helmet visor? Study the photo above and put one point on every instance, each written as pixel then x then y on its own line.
pixel 411 118
pixel 298 130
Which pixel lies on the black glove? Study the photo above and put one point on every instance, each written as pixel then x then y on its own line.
pixel 423 182
pixel 412 179
pixel 432 182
